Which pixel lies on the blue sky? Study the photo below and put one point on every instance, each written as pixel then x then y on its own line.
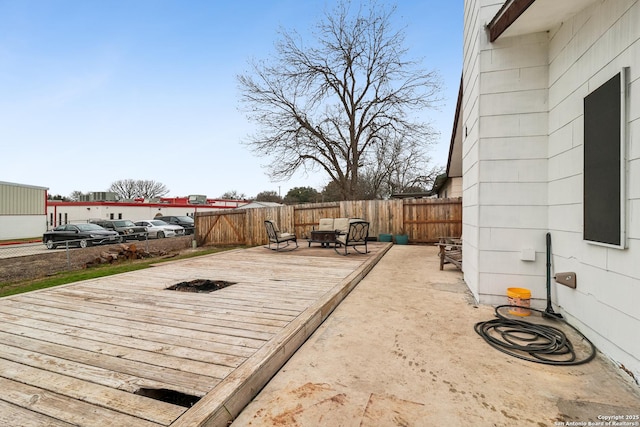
pixel 96 91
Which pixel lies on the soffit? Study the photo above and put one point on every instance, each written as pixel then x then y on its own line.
pixel 541 15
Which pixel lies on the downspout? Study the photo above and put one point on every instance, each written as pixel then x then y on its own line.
pixel 46 220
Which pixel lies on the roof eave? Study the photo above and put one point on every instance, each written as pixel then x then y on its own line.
pixel 506 16
pixel 456 118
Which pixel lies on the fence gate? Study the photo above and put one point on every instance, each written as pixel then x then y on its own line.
pixel 221 227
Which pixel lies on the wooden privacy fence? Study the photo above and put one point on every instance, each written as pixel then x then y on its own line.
pixel 423 220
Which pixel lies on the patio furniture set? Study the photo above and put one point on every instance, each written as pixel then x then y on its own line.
pixel 353 232
pixel 339 233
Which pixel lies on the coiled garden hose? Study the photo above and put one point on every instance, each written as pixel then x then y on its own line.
pixel 532 342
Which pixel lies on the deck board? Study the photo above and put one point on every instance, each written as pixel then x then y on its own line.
pixel 147 374
pixel 57 406
pixel 167 314
pixel 77 354
pixel 9 413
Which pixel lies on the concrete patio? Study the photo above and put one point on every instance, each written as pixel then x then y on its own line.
pixel 401 350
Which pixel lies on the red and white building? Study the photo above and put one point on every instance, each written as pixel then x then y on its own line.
pixel 60 212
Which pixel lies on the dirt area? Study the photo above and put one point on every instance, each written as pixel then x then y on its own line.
pixel 54 261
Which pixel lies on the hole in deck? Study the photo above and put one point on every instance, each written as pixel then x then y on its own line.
pixel 169 396
pixel 201 285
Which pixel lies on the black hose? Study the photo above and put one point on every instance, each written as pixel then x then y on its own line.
pixel 532 342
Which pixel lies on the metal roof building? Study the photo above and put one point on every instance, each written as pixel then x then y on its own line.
pixel 23 210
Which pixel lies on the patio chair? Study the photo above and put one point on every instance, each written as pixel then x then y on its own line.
pixel 450 251
pixel 356 235
pixel 328 230
pixel 276 237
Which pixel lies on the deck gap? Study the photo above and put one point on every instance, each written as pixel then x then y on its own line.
pixel 169 396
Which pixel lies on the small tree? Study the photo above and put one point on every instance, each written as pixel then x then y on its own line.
pixel 331 193
pixel 401 164
pixel 234 195
pixel 268 196
pixel 301 195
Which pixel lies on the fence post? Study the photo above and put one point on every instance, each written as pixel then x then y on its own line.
pixel 66 244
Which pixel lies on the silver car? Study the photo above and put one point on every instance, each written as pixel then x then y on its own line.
pixel 160 229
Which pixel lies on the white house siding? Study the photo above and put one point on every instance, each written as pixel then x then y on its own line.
pixel 22 211
pixel 513 182
pixel 584 52
pixel 523 162
pixel 473 33
pixel 452 188
pixel 505 110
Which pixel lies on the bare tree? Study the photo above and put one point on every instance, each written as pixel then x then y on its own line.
pixel 125 188
pixel 234 195
pixel 150 189
pixel 130 188
pixel 402 164
pixel 76 195
pixel 329 104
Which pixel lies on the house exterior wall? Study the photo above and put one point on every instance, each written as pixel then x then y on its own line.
pixel 523 167
pixel 472 41
pixel 451 189
pixel 504 196
pixel 22 211
pixel 585 52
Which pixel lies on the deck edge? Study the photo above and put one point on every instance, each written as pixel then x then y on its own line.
pixel 220 406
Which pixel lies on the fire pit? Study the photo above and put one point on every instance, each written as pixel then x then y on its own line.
pixel 200 286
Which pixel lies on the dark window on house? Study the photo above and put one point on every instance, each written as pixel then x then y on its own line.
pixel 604 126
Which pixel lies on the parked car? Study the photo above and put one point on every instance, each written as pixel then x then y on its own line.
pixel 184 221
pixel 125 227
pixel 82 235
pixel 160 229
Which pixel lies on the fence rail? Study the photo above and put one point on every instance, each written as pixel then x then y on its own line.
pixel 423 220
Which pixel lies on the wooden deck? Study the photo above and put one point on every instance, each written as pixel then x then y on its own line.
pixel 124 351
